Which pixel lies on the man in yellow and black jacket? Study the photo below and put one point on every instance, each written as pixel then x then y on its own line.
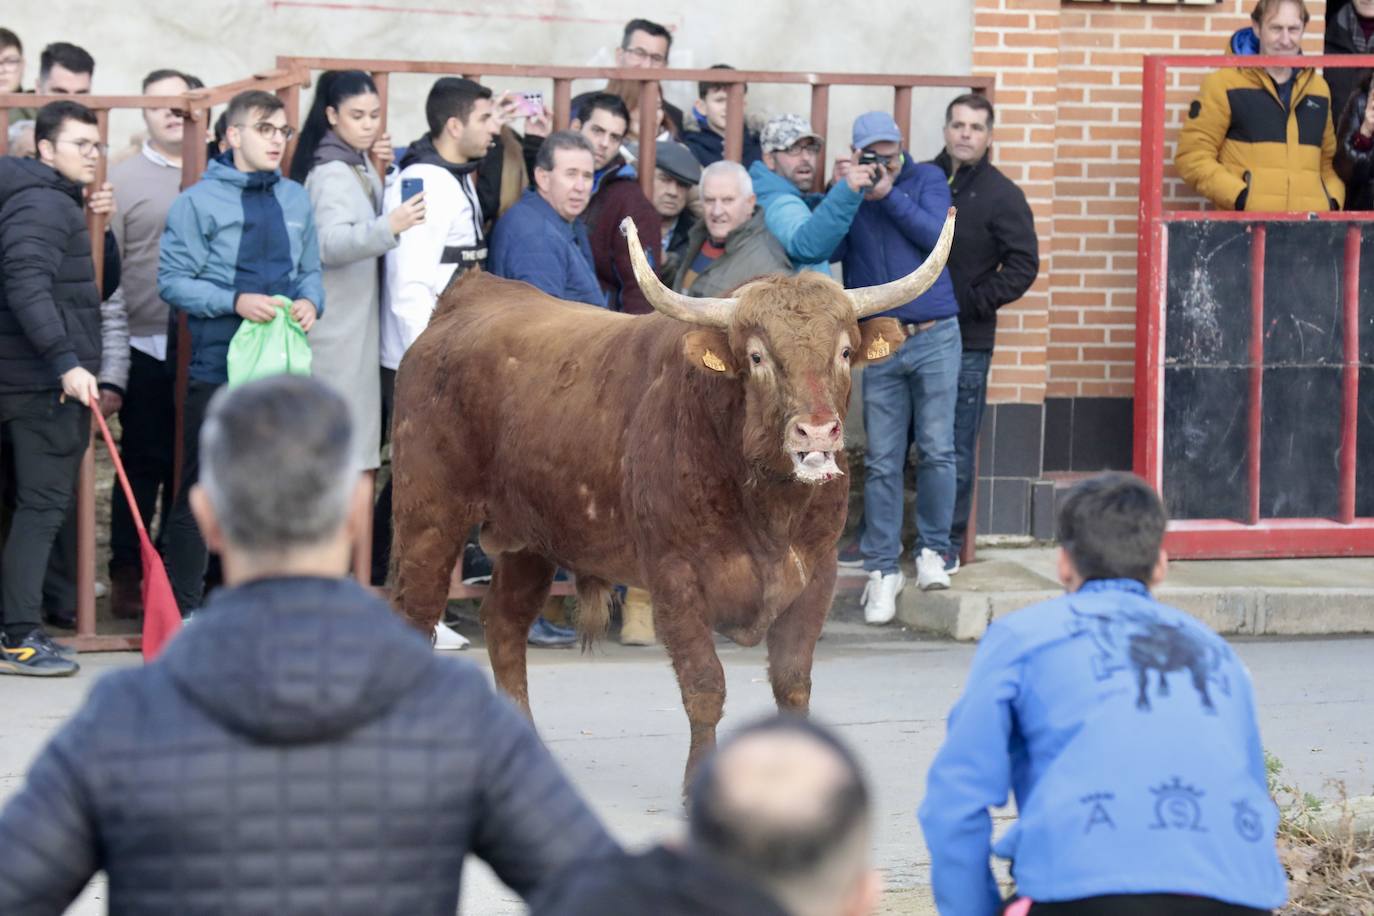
pixel 1262 139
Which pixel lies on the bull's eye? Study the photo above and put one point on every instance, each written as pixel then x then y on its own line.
pixel 756 359
pixel 844 354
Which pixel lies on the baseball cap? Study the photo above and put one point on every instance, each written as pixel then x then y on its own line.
pixel 875 127
pixel 674 158
pixel 784 130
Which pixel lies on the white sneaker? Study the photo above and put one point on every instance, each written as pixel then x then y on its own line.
pixel 447 638
pixel 880 596
pixel 930 571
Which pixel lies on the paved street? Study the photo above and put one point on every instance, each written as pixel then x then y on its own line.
pixel 615 722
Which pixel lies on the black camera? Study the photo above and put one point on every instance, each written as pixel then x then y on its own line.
pixel 875 162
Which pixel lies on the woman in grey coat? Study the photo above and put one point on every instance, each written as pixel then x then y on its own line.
pixel 343 126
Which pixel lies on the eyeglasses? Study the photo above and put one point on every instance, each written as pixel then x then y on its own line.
pixel 269 131
pixel 803 148
pixel 658 60
pixel 11 63
pixel 87 147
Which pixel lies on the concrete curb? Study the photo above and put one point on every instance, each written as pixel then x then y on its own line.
pixel 965 615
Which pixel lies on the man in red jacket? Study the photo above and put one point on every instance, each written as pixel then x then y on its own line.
pixel 603 119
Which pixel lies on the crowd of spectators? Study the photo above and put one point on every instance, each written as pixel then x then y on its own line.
pixel 354 242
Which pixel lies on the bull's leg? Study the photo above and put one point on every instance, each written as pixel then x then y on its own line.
pixel 429 523
pixel 700 677
pixel 792 641
pixel 519 586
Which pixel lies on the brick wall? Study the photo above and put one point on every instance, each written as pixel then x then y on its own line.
pixel 1068 98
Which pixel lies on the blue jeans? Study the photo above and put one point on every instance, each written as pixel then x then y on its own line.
pixel 968 419
pixel 916 385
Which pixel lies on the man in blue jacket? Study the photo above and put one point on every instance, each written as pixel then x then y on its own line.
pixel 1126 731
pixel 894 231
pixel 240 236
pixel 541 239
pixel 809 226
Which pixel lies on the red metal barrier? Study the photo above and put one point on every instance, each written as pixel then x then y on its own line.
pixel 1344 534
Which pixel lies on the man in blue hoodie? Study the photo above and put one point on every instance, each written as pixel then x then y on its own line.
pixel 1132 798
pixel 240 236
pixel 894 231
pixel 810 226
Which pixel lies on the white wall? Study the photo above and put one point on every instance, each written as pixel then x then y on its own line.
pixel 224 40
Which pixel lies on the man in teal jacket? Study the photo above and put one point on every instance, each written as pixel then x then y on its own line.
pixel 240 236
pixel 809 226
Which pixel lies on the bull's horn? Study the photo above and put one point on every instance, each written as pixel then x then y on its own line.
pixel 874 299
pixel 713 312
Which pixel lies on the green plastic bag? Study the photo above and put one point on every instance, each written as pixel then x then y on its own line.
pixel 276 347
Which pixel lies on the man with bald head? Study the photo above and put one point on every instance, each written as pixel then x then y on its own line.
pixel 779 824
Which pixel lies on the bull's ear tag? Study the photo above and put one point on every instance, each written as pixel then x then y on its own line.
pixel 878 348
pixel 712 361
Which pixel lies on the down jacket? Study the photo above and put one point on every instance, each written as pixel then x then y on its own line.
pixel 49 301
pixel 298 749
pixel 1239 139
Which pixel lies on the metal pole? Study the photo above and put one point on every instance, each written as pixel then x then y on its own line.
pixel 383 81
pixel 1150 283
pixel 901 113
pixel 85 487
pixel 734 123
pixel 820 118
pixel 1350 372
pixel 1255 422
pixel 648 136
pixel 562 103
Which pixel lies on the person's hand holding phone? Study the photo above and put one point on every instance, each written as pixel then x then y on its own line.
pixel 411 211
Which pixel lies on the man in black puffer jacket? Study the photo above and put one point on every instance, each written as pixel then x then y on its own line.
pixel 49 354
pixel 297 748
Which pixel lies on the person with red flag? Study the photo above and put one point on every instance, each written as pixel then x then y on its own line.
pixel 49 353
pixel 297 721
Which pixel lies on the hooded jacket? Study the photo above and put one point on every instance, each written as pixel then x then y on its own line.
pixel 1354 157
pixel 1239 138
pixel 49 301
pixel 660 881
pixel 235 232
pixel 297 750
pixel 617 196
pixel 1126 732
pixel 892 237
pixel 809 226
pixel 427 256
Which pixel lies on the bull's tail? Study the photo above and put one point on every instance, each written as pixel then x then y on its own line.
pixel 593 610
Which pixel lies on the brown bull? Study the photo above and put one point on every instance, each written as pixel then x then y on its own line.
pixel 697 453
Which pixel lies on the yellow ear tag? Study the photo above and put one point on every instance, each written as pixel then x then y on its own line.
pixel 878 349
pixel 712 361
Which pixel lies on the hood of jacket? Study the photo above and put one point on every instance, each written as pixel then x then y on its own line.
pixel 222 168
pixel 333 149
pixel 1244 42
pixel 422 150
pixel 296 659
pixel 24 174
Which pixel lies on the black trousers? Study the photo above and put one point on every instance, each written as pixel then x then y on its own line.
pixel 381 511
pixel 1142 905
pixel 47 438
pixel 186 553
pixel 148 449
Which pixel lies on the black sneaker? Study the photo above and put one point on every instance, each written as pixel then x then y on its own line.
pixel 36 655
pixel 476 566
